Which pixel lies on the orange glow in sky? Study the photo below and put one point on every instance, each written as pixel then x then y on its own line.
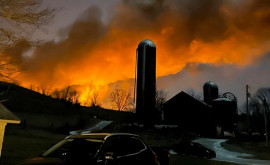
pixel 99 54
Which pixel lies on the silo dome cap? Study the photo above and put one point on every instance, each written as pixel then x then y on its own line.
pixel 146 43
pixel 210 84
pixel 222 99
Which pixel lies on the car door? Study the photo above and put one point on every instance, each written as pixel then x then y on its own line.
pixel 125 151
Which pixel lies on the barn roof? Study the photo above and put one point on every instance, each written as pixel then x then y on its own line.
pixel 7 116
pixel 184 96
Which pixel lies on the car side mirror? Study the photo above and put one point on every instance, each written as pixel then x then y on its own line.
pixel 109 156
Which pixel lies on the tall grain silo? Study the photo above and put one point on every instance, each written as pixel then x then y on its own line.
pixel 210 92
pixel 225 113
pixel 146 82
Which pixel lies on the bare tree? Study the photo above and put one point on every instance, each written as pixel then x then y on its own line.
pixel 95 99
pixel 19 18
pixel 8 72
pixel 56 94
pixel 255 101
pixel 259 106
pixel 32 87
pixel 74 96
pixel 192 93
pixel 88 96
pixel 66 93
pixel 121 100
pixel 44 89
pixel 160 100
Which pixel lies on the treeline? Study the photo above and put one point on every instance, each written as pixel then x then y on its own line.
pixel 69 94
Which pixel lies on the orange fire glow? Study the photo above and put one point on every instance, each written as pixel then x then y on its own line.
pixel 99 55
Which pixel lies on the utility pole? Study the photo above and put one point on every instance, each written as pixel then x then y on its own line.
pixel 248 118
pixel 265 120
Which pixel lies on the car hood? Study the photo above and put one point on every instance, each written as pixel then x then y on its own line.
pixel 42 161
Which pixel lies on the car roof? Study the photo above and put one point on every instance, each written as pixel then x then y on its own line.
pixel 101 136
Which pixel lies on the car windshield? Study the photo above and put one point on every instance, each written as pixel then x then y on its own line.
pixel 71 147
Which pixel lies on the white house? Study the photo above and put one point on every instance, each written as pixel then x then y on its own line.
pixel 6 117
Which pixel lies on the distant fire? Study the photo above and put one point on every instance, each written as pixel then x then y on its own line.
pixel 95 56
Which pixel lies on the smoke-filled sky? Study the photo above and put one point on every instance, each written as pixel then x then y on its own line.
pixel 93 42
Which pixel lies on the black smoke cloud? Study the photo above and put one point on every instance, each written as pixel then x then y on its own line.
pixel 43 63
pixel 229 78
pixel 209 40
pixel 208 21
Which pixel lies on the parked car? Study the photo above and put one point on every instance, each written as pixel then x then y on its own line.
pixel 98 149
pixel 162 153
pixel 194 149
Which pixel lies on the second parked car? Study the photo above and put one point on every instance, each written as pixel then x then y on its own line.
pixel 194 149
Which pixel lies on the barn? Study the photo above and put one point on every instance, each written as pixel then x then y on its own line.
pixel 190 114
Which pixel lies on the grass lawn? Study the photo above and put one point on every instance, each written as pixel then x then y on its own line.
pixel 21 144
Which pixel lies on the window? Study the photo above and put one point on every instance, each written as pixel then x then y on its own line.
pixel 74 147
pixel 124 146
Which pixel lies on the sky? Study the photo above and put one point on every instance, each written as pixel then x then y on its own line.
pixel 91 45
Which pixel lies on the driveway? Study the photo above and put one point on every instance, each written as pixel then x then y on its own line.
pixel 228 156
pixel 95 127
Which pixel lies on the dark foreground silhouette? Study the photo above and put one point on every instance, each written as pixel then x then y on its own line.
pixel 98 149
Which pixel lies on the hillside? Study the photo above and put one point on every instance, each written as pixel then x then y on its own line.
pixel 22 100
pixel 44 121
pixel 38 111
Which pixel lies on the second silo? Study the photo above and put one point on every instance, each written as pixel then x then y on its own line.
pixel 210 92
pixel 146 81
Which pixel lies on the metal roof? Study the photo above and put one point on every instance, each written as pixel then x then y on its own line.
pixel 184 94
pixel 7 116
pixel 210 84
pixel 146 43
pixel 223 99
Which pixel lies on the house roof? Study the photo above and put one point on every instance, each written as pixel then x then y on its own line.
pixel 7 116
pixel 182 95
